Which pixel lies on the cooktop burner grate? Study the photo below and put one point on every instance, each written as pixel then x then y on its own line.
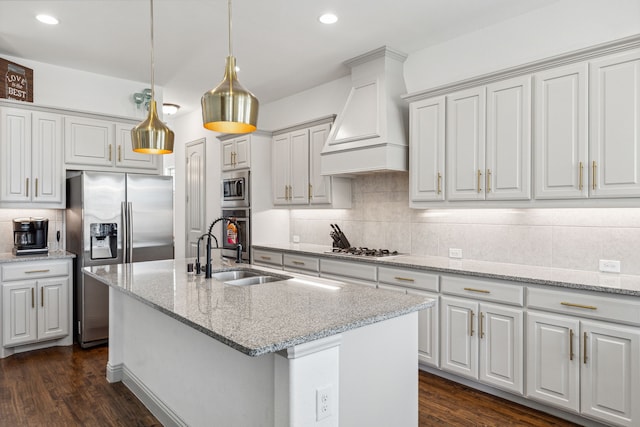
pixel 364 252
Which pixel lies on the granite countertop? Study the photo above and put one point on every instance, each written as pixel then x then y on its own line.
pixel 613 283
pixel 256 319
pixel 10 257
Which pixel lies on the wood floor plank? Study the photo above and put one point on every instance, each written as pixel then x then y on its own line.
pixel 66 386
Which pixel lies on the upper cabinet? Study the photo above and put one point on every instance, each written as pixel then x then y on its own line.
pixel 31 156
pixel 296 175
pixel 236 153
pixel 426 155
pixel 103 145
pixel 615 125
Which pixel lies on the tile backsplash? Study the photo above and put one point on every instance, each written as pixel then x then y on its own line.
pixel 56 222
pixel 574 238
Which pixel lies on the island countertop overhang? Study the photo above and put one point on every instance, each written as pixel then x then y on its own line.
pixel 257 319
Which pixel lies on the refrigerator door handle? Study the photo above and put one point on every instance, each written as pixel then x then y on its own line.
pixel 124 231
pixel 130 231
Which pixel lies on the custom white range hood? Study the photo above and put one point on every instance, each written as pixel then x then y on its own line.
pixel 370 134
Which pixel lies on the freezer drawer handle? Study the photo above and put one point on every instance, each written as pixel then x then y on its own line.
pixel 588 307
pixel 37 271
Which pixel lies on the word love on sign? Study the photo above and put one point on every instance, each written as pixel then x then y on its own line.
pixel 17 81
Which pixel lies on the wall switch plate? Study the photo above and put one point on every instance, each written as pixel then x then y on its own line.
pixel 296 238
pixel 324 402
pixel 610 266
pixel 455 253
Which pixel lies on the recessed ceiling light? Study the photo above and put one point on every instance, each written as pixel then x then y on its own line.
pixel 47 19
pixel 328 18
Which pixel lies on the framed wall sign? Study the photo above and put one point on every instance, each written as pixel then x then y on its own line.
pixel 17 81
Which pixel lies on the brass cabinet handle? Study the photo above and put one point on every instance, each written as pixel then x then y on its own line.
pixel 286 192
pixel 488 180
pixel 33 304
pixel 310 191
pixel 119 153
pixel 584 348
pixel 41 297
pixel 405 279
pixel 36 192
pixel 290 192
pixel 588 307
pixel 482 291
pixel 581 166
pixel 37 271
pixel 570 344
pixel 27 187
pixel 439 183
pixel 479 176
pixel 481 327
pixel 110 152
pixel 471 324
pixel 593 177
pixel 298 262
pixel 268 258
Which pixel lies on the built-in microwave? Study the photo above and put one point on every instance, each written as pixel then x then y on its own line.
pixel 235 189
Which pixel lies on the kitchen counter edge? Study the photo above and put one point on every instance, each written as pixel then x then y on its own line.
pixel 7 257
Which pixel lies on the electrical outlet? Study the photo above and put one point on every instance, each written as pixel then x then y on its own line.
pixel 296 238
pixel 455 253
pixel 610 266
pixel 324 402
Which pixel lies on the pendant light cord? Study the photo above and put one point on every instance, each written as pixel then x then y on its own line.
pixel 152 59
pixel 230 50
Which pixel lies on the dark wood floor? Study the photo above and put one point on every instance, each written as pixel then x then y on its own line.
pixel 66 386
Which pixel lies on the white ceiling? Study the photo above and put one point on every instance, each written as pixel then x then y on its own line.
pixel 280 46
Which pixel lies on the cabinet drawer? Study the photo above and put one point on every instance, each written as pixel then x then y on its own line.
pixel 261 256
pixel 408 278
pixel 34 270
pixel 300 262
pixel 575 303
pixel 487 290
pixel 356 270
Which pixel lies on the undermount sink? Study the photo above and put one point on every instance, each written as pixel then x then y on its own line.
pixel 225 276
pixel 255 280
pixel 246 277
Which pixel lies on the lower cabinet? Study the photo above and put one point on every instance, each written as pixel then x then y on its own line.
pixel 587 367
pixel 483 342
pixel 38 309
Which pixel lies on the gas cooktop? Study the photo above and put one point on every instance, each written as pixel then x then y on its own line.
pixel 363 252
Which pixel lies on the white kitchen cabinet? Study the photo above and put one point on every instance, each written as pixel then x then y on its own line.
pixel 35 302
pixel 459 336
pixel 296 178
pixel 495 165
pixel 301 264
pixel 104 145
pixel 236 153
pixel 428 330
pixel 614 119
pixel 427 145
pixel 267 258
pixel 31 153
pixel 561 133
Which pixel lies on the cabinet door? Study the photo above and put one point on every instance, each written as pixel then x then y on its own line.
pixel 459 337
pixel 428 330
pixel 228 154
pixel 320 186
pixel 465 141
pixel 15 154
pixel 501 347
pixel 560 132
pixel 47 175
pixel 610 373
pixel 426 167
pixel 126 157
pixel 508 144
pixel 299 193
pixel 281 163
pixel 242 158
pixel 18 313
pixel 615 125
pixel 53 310
pixel 553 364
pixel 88 142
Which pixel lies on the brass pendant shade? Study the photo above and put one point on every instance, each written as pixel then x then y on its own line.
pixel 230 108
pixel 152 136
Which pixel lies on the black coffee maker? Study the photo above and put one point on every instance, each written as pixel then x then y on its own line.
pixel 30 236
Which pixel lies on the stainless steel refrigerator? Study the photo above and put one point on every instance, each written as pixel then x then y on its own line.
pixel 113 218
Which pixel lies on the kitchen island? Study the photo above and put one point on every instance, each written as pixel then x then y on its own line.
pixel 294 352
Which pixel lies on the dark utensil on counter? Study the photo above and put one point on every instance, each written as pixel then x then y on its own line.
pixel 343 238
pixel 336 240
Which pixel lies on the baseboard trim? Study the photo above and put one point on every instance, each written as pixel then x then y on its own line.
pixel 114 372
pixel 155 405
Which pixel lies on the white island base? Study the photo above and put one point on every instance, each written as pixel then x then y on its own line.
pixel 366 376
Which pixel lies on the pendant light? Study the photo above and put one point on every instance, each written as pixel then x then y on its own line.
pixel 152 136
pixel 230 108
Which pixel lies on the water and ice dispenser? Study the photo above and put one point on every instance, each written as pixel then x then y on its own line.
pixel 104 240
